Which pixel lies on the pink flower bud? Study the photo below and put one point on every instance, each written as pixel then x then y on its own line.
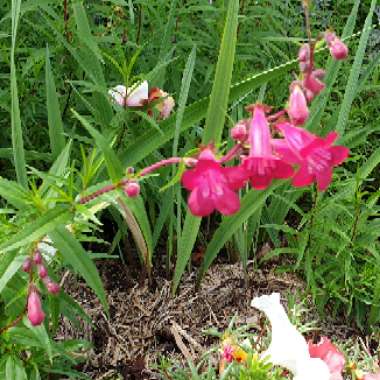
pixel 313 83
pixel 42 271
pixel 37 258
pixel 304 57
pixel 239 131
pixel 35 313
pixel 338 49
pixel 27 265
pixel 51 286
pixel 297 108
pixel 132 189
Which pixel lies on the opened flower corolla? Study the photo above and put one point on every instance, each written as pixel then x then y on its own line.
pixel 135 96
pixel 212 186
pixel 315 155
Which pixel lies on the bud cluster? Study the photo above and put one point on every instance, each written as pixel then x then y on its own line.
pixel 31 265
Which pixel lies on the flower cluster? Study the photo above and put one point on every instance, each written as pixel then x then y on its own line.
pixel 32 265
pixel 270 146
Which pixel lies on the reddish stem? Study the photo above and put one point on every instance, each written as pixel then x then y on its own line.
pixel 97 193
pixel 234 151
pixel 276 115
pixel 157 165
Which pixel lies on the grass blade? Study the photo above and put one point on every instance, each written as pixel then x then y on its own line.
pixel 56 134
pixel 17 139
pixel 215 118
pixel 355 73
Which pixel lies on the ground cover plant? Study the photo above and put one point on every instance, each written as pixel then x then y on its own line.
pixel 168 133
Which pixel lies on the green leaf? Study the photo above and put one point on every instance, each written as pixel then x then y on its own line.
pixel 9 266
pixel 17 139
pixel 42 336
pixel 217 109
pixel 74 254
pixel 369 165
pixel 56 133
pixel 352 84
pixel 83 29
pixel 252 202
pixel 215 118
pixel 114 166
pixel 37 228
pixel 14 193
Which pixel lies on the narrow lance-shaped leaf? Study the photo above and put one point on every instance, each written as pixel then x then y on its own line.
pixel 216 114
pixel 56 133
pixel 355 73
pixel 17 138
pixel 74 254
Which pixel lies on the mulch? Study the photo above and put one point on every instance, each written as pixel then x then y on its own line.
pixel 148 322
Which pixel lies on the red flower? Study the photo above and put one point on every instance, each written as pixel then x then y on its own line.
pixel 212 186
pixel 315 155
pixel 262 165
pixel 328 352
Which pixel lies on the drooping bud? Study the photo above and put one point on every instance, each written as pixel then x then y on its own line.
pixel 239 131
pixel 132 189
pixel 338 49
pixel 42 271
pixel 297 108
pixel 37 258
pixel 27 265
pixel 51 286
pixel 35 313
pixel 313 82
pixel 304 57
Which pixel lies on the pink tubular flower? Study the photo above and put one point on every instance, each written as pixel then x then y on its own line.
pixel 297 108
pixel 262 165
pixel 315 156
pixel 42 271
pixel 328 352
pixel 338 49
pixel 35 313
pixel 212 186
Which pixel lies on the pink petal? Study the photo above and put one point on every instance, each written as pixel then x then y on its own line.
pixel 331 138
pixel 296 138
pixel 297 109
pixel 236 176
pixel 282 149
pixel 324 179
pixel 302 177
pixel 339 154
pixel 372 376
pixel 328 352
pixel 261 182
pixel 259 134
pixel 282 170
pixel 136 96
pixel 227 202
pixel 199 203
pixel 191 179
